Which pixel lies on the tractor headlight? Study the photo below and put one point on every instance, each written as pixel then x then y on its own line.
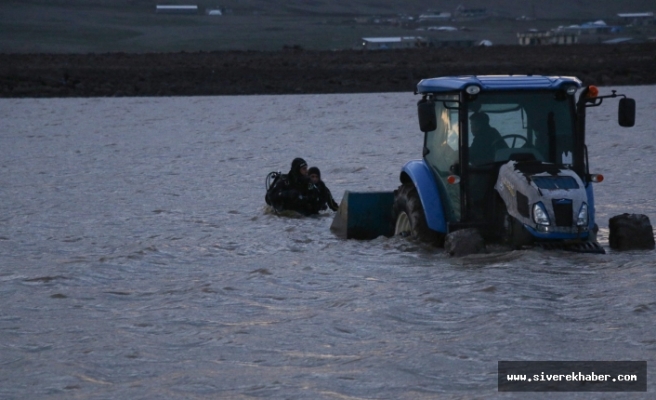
pixel 540 215
pixel 582 217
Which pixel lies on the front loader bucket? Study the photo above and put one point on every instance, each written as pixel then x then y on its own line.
pixel 364 215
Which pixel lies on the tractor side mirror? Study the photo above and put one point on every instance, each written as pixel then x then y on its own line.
pixel 427 115
pixel 626 112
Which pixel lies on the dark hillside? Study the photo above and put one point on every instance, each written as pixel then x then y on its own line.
pixel 298 71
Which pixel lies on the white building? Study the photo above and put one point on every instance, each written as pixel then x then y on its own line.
pixel 401 42
pixel 160 9
pixel 435 16
pixel 547 38
pixel 643 18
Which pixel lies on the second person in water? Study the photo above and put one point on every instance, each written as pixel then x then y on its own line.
pixel 325 197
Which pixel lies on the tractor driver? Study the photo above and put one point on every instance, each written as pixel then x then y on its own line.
pixel 487 140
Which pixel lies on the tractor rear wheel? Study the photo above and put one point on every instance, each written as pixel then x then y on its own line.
pixel 409 216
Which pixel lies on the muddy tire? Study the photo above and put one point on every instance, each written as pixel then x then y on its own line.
pixel 512 232
pixel 409 217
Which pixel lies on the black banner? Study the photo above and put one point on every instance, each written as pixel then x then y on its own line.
pixel 572 376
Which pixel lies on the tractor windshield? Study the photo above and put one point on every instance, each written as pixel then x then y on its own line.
pixel 522 126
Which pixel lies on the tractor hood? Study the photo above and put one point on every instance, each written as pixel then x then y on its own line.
pixel 544 197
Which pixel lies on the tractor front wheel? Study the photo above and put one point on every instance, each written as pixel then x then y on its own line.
pixel 409 216
pixel 512 231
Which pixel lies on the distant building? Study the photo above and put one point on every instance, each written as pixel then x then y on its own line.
pixel 592 28
pixel 165 9
pixel 644 18
pixel 546 38
pixel 470 13
pixel 442 28
pixel 434 16
pixel 453 43
pixel 596 27
pixel 402 42
pixel 619 40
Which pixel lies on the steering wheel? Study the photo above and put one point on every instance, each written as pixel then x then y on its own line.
pixel 514 140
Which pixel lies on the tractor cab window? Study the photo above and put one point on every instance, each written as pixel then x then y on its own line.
pixel 536 126
pixel 441 149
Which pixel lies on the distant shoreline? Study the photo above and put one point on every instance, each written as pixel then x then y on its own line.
pixel 295 71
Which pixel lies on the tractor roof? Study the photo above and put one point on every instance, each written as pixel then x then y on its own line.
pixel 495 82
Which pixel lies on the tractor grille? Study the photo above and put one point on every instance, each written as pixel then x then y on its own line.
pixel 522 205
pixel 563 212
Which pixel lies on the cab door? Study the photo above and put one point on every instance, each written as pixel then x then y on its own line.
pixel 442 154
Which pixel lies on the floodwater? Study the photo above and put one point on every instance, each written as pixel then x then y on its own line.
pixel 137 260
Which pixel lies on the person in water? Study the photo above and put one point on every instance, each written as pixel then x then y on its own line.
pixel 294 191
pixel 325 197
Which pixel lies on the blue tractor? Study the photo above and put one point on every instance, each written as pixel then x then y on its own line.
pixel 506 155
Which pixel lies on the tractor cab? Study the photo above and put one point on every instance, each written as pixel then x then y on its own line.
pixel 478 131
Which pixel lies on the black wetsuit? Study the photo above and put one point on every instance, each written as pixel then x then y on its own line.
pixel 294 192
pixel 325 197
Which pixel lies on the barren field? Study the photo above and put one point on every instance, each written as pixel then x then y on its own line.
pixel 298 71
pixel 80 48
